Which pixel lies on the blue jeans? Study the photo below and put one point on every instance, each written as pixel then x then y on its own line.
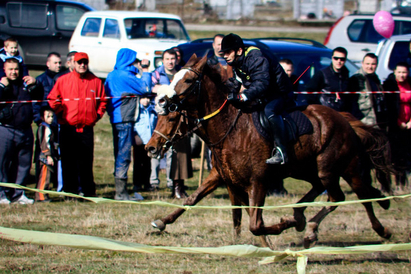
pixel 16 152
pixel 122 141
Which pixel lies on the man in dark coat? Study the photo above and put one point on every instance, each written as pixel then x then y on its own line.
pixel 262 80
pixel 46 80
pixel 16 134
pixel 333 78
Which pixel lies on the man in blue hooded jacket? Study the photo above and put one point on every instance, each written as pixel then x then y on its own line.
pixel 123 85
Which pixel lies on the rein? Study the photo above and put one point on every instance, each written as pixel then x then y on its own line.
pixel 196 88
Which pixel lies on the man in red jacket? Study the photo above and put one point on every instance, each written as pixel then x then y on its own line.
pixel 78 101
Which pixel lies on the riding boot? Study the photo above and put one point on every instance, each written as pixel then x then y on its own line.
pixel 121 190
pixel 179 189
pixel 278 131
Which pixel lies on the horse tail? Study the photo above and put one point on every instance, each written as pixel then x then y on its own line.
pixel 378 149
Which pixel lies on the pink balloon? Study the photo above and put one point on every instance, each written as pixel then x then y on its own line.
pixel 383 23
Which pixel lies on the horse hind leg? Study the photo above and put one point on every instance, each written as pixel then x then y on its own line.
pixel 364 190
pixel 335 194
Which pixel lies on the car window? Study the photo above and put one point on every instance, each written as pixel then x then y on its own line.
pixel 111 29
pixel 363 31
pixel 405 27
pixel 68 16
pixel 399 53
pixel 154 28
pixel 91 27
pixel 28 15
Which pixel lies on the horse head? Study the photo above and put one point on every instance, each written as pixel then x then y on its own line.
pixel 172 104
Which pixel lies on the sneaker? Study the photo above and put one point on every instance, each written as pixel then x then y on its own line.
pixel 137 197
pixel 23 200
pixel 4 201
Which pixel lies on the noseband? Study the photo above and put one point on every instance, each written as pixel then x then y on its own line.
pixel 178 106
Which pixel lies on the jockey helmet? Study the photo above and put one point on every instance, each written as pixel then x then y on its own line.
pixel 231 42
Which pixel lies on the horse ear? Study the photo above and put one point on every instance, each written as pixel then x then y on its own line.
pixel 200 65
pixel 192 60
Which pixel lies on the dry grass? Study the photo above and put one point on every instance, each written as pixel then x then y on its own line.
pixel 347 226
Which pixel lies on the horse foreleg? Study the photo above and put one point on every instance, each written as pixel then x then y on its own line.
pixel 210 184
pixel 237 212
pixel 298 219
pixel 257 227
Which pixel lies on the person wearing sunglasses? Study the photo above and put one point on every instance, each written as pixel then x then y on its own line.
pixel 330 81
pixel 78 100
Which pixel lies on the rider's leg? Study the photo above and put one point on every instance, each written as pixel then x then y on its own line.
pixel 278 130
pixel 272 111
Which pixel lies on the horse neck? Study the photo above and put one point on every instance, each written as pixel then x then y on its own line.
pixel 212 98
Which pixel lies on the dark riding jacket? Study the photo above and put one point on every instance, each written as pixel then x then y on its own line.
pixel 263 78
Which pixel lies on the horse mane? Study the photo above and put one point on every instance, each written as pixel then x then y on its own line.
pixel 217 73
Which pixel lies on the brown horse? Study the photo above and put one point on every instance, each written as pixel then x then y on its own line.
pixel 196 101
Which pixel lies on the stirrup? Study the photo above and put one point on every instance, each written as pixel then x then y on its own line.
pixel 277 158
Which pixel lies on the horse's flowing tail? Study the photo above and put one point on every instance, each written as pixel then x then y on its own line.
pixel 377 147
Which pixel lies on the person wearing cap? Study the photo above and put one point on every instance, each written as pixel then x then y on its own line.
pixel 124 87
pixel 261 80
pixel 78 100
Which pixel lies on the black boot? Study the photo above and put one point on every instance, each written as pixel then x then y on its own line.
pixel 278 130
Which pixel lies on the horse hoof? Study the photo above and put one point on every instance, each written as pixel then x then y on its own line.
pixel 160 225
pixel 311 238
pixel 387 233
pixel 310 242
pixel 384 204
pixel 289 220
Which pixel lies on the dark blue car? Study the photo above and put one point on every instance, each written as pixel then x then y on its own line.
pixel 302 52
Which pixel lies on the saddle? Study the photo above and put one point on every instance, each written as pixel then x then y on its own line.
pixel 296 124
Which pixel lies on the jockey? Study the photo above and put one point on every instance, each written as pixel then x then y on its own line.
pixel 261 80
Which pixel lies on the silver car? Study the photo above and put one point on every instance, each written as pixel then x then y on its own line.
pixel 390 52
pixel 356 33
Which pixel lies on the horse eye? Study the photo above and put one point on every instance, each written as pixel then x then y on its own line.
pixel 189 81
pixel 171 119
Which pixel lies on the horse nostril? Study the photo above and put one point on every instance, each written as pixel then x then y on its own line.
pixel 151 149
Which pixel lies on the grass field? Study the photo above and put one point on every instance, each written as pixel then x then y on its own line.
pixel 347 226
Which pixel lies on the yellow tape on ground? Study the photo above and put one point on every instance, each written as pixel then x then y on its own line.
pixel 160 203
pixel 245 251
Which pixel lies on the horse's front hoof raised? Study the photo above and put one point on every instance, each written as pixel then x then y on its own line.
pixel 159 225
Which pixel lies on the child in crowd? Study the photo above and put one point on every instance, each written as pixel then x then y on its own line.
pixel 10 50
pixel 46 155
pixel 143 129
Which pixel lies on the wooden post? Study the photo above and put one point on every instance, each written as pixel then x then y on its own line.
pixel 200 176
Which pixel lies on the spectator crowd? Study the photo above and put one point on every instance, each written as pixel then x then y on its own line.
pixel 71 102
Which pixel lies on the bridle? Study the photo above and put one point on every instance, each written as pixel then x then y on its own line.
pixel 178 106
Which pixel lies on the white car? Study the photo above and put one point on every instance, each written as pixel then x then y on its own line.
pixel 390 52
pixel 356 33
pixel 102 33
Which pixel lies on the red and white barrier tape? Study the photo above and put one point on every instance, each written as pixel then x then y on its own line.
pixel 132 96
